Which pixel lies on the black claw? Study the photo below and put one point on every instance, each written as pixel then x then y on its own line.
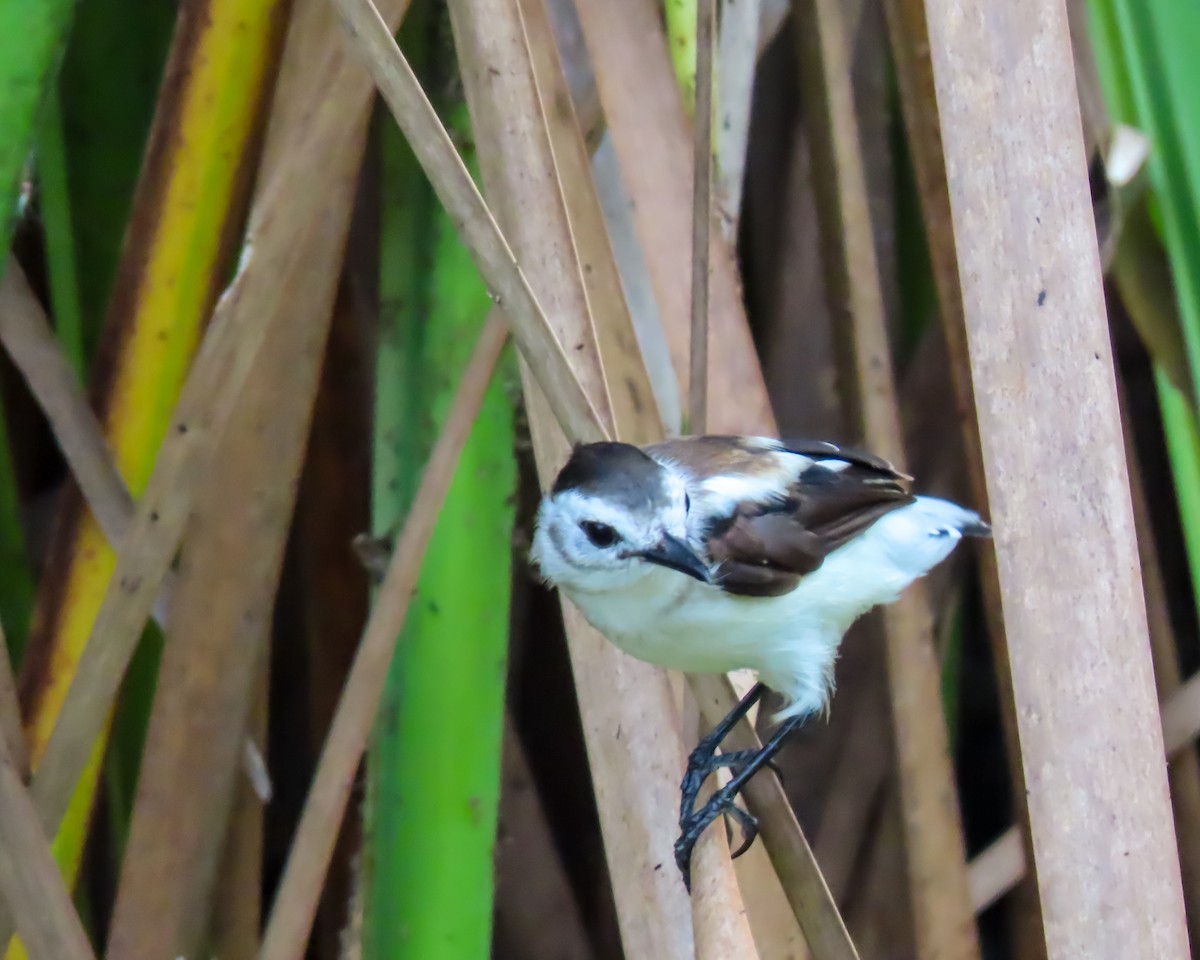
pixel 744 764
pixel 749 824
pixel 691 827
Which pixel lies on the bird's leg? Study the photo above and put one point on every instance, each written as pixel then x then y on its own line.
pixel 721 802
pixel 737 759
pixel 702 760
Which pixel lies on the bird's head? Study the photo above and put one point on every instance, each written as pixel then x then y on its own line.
pixel 612 515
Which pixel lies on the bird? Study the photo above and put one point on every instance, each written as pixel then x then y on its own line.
pixel 709 554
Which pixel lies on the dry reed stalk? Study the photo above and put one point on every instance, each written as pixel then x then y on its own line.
pixel 719 931
pixel 943 921
pixel 702 165
pixel 506 117
pixel 29 340
pixel 650 133
pixel 1004 864
pixel 636 756
pixel 223 606
pixel 30 881
pixel 719 923
pixel 1040 353
pixel 635 411
pixel 773 924
pixel 207 402
pixel 533 332
pixel 997 869
pixel 792 857
pixel 237 902
pixel 644 112
pixel 519 175
pixel 10 714
pixel 300 887
pixel 909 35
pixel 737 58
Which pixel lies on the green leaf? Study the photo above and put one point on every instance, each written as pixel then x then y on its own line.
pixel 108 88
pixel 33 34
pixel 1146 55
pixel 434 766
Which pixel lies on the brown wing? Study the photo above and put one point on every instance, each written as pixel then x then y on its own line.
pixel 764 550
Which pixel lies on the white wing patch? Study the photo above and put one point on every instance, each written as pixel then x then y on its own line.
pixel 723 493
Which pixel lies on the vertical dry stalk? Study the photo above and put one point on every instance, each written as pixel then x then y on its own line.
pixel 650 133
pixel 702 162
pixel 635 412
pixel 237 910
pixel 943 921
pixel 909 35
pixel 634 784
pixel 737 58
pixel 225 597
pixel 505 114
pixel 1099 807
pixel 635 753
pixel 719 932
pixel 645 117
pixel 721 926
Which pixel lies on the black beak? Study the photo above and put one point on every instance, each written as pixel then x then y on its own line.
pixel 674 554
pixel 977 529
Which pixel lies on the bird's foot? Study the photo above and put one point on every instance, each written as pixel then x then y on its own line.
pixel 702 763
pixel 723 802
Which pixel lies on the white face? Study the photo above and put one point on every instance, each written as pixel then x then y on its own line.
pixel 591 543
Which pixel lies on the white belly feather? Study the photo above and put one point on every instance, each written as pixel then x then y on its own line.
pixel 792 640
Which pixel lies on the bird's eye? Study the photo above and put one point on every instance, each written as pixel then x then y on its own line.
pixel 601 534
pixel 687 503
